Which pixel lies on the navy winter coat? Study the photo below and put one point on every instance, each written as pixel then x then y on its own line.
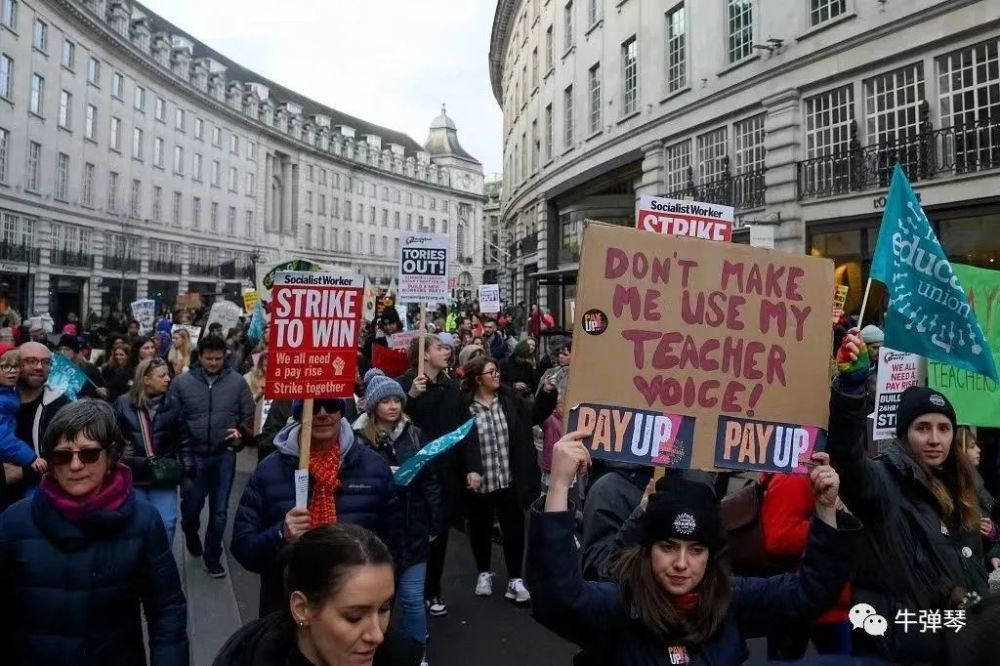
pixel 212 409
pixel 420 502
pixel 166 429
pixel 367 497
pixel 70 593
pixel 593 615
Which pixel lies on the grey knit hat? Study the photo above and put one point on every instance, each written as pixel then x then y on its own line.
pixel 379 387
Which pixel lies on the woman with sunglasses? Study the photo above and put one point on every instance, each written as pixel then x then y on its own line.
pixel 502 469
pixel 348 483
pixel 79 559
pixel 150 420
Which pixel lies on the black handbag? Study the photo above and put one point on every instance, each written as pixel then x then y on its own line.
pixel 166 471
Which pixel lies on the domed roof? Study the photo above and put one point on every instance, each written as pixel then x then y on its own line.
pixel 443 138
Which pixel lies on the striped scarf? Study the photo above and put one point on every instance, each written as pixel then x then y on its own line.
pixel 325 471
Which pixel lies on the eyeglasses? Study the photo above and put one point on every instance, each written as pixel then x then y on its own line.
pixel 154 363
pixel 494 372
pixel 9 368
pixel 65 456
pixel 36 362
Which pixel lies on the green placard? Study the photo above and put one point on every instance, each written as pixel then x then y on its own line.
pixel 976 397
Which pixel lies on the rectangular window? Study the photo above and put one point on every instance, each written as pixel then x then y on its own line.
pixel 348 210
pixel 568 25
pixel 139 99
pixel 69 54
pixel 593 11
pixel 231 221
pixel 322 202
pixel 821 11
pixel 178 202
pixel 113 191
pixel 115 137
pixel 160 109
pixel 213 217
pixel 549 61
pixel 395 220
pixel 828 120
pixel 371 217
pixel 309 202
pixel 8 16
pixel 157 210
pixel 249 224
pixel 371 243
pixel 217 137
pixel 216 174
pixel 548 133
pixel 336 207
pixel 676 49
pixel 385 217
pixel 199 129
pixel 594 77
pixel 252 153
pixel 713 151
pixel 90 131
pixel 62 177
pixel 409 221
pixel 4 154
pixel 137 141
pixel 534 68
pixel 117 85
pixel 748 140
pixel 309 173
pixel 180 120
pixel 135 199
pixel 892 106
pixel 65 109
pixel 158 152
pixel 179 160
pixel 678 167
pixel 234 144
pixel 630 74
pixel 739 21
pixel 196 171
pixel 87 196
pixel 94 71
pixel 969 89
pixel 40 36
pixel 568 117
pixel 535 148
pixel 251 183
pixel 6 75
pixel 196 213
pixel 37 93
pixel 234 179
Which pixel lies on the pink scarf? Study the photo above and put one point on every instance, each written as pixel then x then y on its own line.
pixel 110 497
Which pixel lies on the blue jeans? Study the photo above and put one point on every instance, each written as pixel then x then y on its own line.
pixel 213 478
pixel 165 501
pixel 411 602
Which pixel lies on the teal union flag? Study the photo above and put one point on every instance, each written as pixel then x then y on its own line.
pixel 928 311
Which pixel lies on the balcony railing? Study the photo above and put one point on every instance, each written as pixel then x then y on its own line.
pixel 167 267
pixel 15 252
pixel 206 270
pixel 529 244
pixel 742 191
pixel 925 154
pixel 116 262
pixel 74 259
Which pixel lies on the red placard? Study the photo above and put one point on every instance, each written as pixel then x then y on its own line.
pixel 315 329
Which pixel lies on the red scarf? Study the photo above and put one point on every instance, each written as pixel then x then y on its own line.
pixel 110 497
pixel 324 468
pixel 686 603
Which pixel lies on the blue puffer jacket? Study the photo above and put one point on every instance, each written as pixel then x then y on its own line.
pixel 12 449
pixel 70 593
pixel 593 615
pixel 420 502
pixel 211 409
pixel 367 497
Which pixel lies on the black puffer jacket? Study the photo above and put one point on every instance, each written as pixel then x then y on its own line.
pixel 210 407
pixel 166 431
pixel 909 559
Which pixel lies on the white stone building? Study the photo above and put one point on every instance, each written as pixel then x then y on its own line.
pixel 136 161
pixel 793 112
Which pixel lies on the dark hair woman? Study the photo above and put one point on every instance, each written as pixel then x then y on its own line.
pixel 338 595
pixel 142 349
pixel 671 592
pixel 502 469
pixel 79 559
pixel 116 373
pixel 150 420
pixel 922 548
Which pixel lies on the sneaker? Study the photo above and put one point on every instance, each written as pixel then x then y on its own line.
pixel 215 569
pixel 484 586
pixel 436 607
pixel 193 543
pixel 517 592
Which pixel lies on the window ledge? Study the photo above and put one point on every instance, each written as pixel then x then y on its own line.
pixel 69 69
pixel 534 91
pixel 630 116
pixel 825 25
pixel 65 129
pixel 597 24
pixel 568 51
pixel 37 115
pixel 38 50
pixel 9 29
pixel 7 99
pixel 552 70
pixel 95 85
pixel 593 135
pixel 676 93
pixel 568 150
pixel 736 65
pixel 90 140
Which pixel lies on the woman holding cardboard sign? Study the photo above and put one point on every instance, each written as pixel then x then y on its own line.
pixel 672 592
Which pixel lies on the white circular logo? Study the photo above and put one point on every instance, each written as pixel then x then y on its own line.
pixel 684 524
pixel 937 401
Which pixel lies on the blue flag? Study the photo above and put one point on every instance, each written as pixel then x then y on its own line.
pixel 65 375
pixel 928 312
pixel 408 470
pixel 256 328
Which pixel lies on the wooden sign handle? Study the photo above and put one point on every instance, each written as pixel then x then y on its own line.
pixel 305 435
pixel 420 344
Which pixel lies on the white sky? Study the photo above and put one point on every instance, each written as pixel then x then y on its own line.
pixel 390 62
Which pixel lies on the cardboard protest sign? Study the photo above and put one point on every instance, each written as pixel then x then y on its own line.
pixel 144 312
pixel 489 298
pixel 897 371
pixel 684 218
pixel 401 341
pixel 250 298
pixel 839 300
pixel 700 355
pixel 193 331
pixel 225 313
pixel 976 397
pixel 314 332
pixel 423 269
pixel 189 301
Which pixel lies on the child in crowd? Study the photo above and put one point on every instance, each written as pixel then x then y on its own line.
pixel 12 449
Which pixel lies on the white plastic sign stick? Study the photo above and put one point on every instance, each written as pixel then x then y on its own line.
pixel 301 488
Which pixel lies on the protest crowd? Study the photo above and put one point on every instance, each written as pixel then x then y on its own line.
pixel 116 432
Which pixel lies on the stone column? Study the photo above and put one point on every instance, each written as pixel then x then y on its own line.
pixel 142 280
pixel 782 138
pixel 98 239
pixel 42 275
pixel 652 181
pixel 185 257
pixel 285 226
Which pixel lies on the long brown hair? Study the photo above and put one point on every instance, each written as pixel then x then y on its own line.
pixel 653 607
pixel 471 372
pixel 955 481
